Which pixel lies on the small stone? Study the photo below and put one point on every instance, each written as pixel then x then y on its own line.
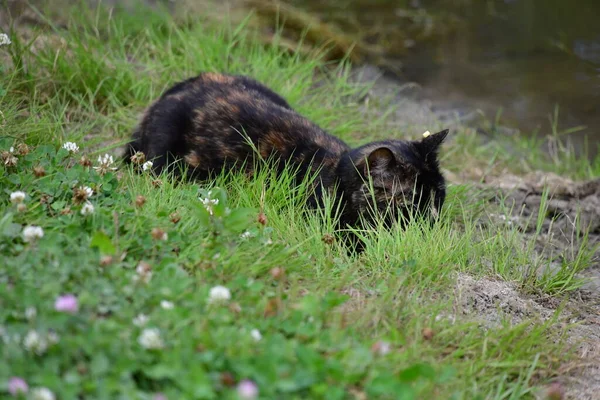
pixel 555 392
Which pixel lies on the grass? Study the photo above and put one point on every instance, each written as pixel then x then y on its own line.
pixel 333 324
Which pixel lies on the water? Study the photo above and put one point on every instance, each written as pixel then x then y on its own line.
pixel 522 57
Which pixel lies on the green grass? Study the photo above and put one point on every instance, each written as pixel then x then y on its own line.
pixel 322 313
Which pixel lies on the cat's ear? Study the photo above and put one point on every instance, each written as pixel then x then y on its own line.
pixel 381 158
pixel 429 146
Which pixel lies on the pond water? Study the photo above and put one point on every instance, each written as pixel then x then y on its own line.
pixel 523 57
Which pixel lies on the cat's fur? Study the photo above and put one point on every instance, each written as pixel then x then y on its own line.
pixel 207 121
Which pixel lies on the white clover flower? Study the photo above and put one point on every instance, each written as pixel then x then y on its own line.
pixel 105 163
pixel 219 294
pixel 17 197
pixel 140 320
pixel 42 393
pixel 382 348
pixel 150 339
pixel 32 232
pixel 147 165
pixel 71 147
pixel 247 235
pixel 167 305
pixel 106 159
pixel 143 273
pixel 87 209
pixel 53 338
pixel 209 204
pixel 4 39
pixel 255 333
pixel 89 192
pixel 30 313
pixel 34 342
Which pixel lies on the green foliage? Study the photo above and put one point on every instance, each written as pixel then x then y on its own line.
pixel 333 324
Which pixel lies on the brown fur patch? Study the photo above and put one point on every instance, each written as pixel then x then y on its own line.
pixel 193 159
pixel 217 78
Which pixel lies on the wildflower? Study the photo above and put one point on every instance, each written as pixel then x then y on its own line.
pixel 382 348
pixel 426 134
pixel 39 171
pixel 17 197
pixel 34 342
pixel 10 161
pixel 84 161
pixel 247 390
pixel 262 219
pixel 427 333
pixel 67 303
pixel 209 204
pixel 140 320
pixel 159 234
pixel 32 232
pixel 106 260
pixel 147 165
pixel 17 386
pixel 150 339
pixel 219 294
pixel 11 150
pixel 167 305
pixel 42 393
pixel 87 209
pixel 71 147
pixel 22 149
pixel 175 217
pixel 144 272
pixel 138 158
pixel 105 164
pixel 140 201
pixel 255 333
pixel 4 39
pixel 246 235
pixel 53 337
pixel 30 313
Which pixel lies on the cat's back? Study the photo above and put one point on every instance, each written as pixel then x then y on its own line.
pixel 209 120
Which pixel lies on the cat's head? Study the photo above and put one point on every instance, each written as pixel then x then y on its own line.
pixel 397 179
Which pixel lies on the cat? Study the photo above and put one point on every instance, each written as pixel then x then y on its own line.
pixel 215 122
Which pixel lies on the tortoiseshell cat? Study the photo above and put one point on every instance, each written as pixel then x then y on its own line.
pixel 206 121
